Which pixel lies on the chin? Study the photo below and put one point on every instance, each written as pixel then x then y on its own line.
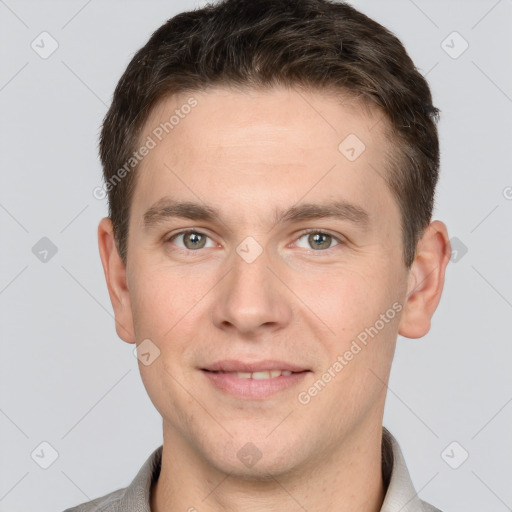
pixel 255 455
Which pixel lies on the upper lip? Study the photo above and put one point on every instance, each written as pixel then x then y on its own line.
pixel 233 365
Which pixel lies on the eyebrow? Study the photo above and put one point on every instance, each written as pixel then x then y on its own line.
pixel 167 208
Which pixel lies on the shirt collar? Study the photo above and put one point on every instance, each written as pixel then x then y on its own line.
pixel 400 495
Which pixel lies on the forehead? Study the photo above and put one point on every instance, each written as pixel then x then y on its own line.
pixel 260 149
pixel 224 116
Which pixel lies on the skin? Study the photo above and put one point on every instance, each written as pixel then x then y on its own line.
pixel 247 153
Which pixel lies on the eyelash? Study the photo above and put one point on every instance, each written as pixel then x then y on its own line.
pixel 301 235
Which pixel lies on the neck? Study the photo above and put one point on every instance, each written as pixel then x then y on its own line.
pixel 348 479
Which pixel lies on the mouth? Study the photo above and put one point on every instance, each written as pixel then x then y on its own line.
pixel 267 365
pixel 261 375
pixel 254 381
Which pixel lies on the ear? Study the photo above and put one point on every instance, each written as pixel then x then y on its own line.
pixel 115 275
pixel 426 281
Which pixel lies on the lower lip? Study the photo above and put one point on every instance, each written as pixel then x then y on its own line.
pixel 253 389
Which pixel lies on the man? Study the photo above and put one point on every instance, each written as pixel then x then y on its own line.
pixel 271 167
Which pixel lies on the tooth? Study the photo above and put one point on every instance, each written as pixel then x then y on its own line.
pixel 243 375
pixel 275 373
pixel 286 372
pixel 261 375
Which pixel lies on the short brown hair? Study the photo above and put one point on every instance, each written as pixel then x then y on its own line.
pixel 315 44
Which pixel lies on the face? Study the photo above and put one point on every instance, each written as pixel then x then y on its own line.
pixel 287 256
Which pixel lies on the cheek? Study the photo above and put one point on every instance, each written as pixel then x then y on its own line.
pixel 162 299
pixel 362 310
pixel 344 300
pixel 165 388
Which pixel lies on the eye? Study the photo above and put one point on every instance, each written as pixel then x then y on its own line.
pixel 319 240
pixel 191 240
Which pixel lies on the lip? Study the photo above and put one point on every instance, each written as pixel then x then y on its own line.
pixel 233 365
pixel 252 389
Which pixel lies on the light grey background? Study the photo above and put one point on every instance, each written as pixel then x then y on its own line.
pixel 68 380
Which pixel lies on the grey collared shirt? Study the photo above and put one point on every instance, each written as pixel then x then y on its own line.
pixel 400 495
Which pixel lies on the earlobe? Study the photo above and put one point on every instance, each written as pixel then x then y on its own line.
pixel 426 281
pixel 115 276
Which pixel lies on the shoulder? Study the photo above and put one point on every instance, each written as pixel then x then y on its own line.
pixel 107 503
pixel 135 497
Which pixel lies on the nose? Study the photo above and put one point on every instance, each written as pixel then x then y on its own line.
pixel 252 298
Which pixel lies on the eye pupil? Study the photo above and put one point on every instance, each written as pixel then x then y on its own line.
pixel 196 239
pixel 317 237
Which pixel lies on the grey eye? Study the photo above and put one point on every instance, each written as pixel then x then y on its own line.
pixel 318 240
pixel 192 240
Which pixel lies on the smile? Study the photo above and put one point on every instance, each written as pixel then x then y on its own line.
pixel 261 375
pixel 254 385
